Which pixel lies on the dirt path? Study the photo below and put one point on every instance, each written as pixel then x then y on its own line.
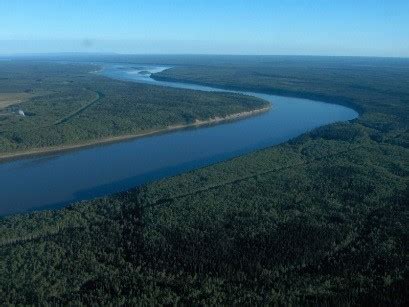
pixel 80 110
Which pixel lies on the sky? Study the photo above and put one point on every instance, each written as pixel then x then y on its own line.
pixel 296 27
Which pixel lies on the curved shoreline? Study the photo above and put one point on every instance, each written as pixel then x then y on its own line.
pixel 114 139
pixel 268 91
pixel 160 154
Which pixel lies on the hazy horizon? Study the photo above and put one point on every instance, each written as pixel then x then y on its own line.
pixel 4 56
pixel 347 28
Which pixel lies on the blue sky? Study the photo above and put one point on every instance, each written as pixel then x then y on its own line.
pixel 316 27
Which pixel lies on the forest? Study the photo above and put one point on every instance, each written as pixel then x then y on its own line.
pixel 321 219
pixel 66 104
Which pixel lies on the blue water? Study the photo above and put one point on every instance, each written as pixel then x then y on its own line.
pixel 59 179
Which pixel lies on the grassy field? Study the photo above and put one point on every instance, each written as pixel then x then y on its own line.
pixel 9 99
pixel 65 105
pixel 322 219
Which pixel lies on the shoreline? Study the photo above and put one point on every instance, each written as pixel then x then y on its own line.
pixel 321 98
pixel 115 139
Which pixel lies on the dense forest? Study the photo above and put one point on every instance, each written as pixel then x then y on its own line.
pixel 322 219
pixel 65 104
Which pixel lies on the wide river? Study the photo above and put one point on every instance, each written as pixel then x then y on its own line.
pixel 56 180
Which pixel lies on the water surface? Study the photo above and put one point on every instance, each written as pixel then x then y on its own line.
pixel 59 179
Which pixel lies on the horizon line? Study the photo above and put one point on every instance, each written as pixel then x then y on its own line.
pixel 82 53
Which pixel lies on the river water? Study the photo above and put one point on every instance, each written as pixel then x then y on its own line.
pixel 56 180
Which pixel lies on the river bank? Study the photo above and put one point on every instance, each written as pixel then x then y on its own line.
pixel 62 178
pixel 115 139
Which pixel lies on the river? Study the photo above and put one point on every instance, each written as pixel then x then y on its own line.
pixel 55 180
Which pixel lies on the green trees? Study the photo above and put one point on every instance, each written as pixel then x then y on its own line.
pixel 322 219
pixel 72 106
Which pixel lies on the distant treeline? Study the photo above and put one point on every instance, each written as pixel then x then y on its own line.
pixel 322 219
pixel 69 105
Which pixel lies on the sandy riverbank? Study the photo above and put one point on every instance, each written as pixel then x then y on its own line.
pixel 114 139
